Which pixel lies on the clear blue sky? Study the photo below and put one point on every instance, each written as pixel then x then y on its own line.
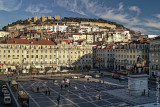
pixel 138 15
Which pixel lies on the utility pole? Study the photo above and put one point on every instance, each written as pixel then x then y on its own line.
pixel 157 89
pixel 99 66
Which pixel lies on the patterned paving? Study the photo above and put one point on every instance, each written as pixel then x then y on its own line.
pixel 80 93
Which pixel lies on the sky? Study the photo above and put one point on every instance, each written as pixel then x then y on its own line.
pixel 138 15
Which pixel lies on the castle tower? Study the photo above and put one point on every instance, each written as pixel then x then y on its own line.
pixel 43 19
pixel 57 17
pixel 34 18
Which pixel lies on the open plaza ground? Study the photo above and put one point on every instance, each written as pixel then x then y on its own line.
pixel 80 93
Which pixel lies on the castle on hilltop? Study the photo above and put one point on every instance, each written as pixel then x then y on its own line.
pixel 43 18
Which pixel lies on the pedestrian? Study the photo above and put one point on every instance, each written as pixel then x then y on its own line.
pixel 99 97
pixel 119 79
pixel 38 89
pixel 148 91
pixel 58 99
pixel 46 92
pixel 61 86
pixel 88 79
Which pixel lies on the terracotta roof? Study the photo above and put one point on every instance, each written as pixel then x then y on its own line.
pixel 80 40
pixel 30 41
pixel 76 34
pixel 108 47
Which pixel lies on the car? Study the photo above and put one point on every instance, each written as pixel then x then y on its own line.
pixel 88 76
pixel 119 76
pixel 6 93
pixel 116 76
pixel 7 99
pixel 97 76
pixel 4 86
pixel 124 72
pixel 3 89
pixel 75 77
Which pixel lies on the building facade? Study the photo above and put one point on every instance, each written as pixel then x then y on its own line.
pixel 154 57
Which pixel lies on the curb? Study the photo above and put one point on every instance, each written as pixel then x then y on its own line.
pixel 13 95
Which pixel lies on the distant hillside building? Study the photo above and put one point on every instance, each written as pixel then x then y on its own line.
pixel 99 24
pixel 43 18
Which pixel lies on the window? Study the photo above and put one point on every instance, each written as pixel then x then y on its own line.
pixel 17 56
pixel 41 56
pixel 50 56
pixel 36 51
pixel 32 56
pixel 9 56
pixel 4 51
pixel 8 51
pixel 46 51
pixel 22 56
pixel 41 51
pixel 45 56
pixel 130 56
pixel 36 56
pixel 17 51
pixel 27 56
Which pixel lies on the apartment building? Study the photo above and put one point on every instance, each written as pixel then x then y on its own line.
pixel 126 55
pixel 4 34
pixel 154 57
pixel 121 35
pixel 103 57
pixel 24 53
pixel 77 53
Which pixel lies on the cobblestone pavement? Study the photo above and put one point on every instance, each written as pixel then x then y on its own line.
pixel 80 93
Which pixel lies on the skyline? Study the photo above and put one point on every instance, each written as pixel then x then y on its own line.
pixel 136 15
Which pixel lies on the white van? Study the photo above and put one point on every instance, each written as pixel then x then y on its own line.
pixel 7 100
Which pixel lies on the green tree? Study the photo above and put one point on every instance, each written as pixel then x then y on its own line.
pixel 76 68
pixel 30 70
pixel 37 22
pixel 62 68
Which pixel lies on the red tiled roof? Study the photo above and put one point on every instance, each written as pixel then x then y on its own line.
pixel 76 34
pixel 30 41
pixel 108 47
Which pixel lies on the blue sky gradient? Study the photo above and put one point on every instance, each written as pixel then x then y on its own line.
pixel 138 15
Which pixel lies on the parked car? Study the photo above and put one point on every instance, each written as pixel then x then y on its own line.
pixel 7 99
pixel 97 76
pixel 4 89
pixel 4 86
pixel 118 76
pixel 6 93
pixel 124 72
pixel 88 76
pixel 75 77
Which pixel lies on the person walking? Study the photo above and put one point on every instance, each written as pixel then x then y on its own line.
pixel 99 97
pixel 49 92
pixel 46 92
pixel 38 89
pixel 61 86
pixel 58 99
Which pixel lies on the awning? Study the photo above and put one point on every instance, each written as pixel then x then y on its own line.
pixel 38 67
pixel 13 68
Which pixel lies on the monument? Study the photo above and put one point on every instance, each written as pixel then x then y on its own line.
pixel 137 80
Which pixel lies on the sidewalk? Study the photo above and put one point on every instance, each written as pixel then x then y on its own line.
pixel 122 94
